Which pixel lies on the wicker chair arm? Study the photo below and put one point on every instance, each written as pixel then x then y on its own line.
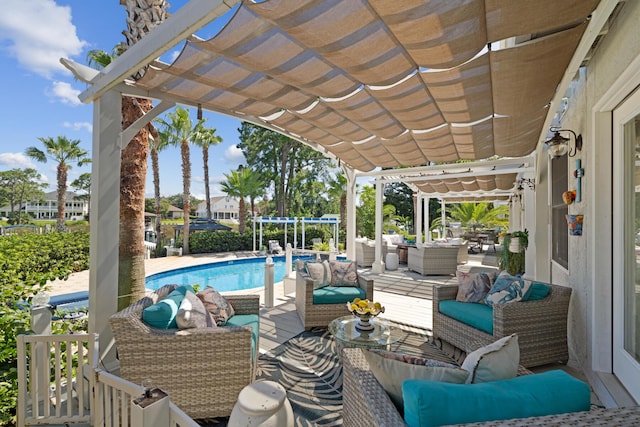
pixel 365 402
pixel 367 285
pixel 444 292
pixel 244 304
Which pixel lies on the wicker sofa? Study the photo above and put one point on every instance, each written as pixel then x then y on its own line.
pixel 366 404
pixel 314 315
pixel 541 325
pixel 434 259
pixel 203 370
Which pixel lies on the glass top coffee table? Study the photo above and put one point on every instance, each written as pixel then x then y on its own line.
pixel 344 331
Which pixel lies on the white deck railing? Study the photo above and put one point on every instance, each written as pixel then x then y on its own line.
pixel 59 382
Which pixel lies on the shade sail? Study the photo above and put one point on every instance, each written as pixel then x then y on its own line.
pixel 385 84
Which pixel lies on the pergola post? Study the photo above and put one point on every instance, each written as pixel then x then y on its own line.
pixel 418 219
pixel 378 264
pixel 351 212
pixel 105 221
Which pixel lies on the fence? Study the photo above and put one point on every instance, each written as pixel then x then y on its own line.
pixel 59 382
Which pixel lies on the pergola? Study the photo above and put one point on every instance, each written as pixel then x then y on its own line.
pixel 371 84
pixel 294 220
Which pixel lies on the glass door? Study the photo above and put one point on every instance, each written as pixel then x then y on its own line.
pixel 626 256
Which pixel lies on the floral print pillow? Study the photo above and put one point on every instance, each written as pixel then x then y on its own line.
pixel 507 289
pixel 473 287
pixel 343 273
pixel 221 310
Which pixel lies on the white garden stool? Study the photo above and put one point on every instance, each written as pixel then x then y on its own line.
pixel 391 261
pixel 264 404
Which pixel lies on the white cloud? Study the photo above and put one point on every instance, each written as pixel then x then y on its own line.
pixel 234 155
pixel 64 93
pixel 77 126
pixel 38 33
pixel 16 161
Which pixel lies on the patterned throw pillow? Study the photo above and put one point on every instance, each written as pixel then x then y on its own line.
pixel 217 305
pixel 472 287
pixel 319 273
pixel 193 314
pixel 343 273
pixel 507 289
pixel 392 369
pixel 496 361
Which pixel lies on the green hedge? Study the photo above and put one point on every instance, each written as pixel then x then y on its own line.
pixel 232 241
pixel 27 262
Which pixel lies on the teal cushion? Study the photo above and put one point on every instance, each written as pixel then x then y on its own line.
pixel 162 315
pixel 252 320
pixel 431 403
pixel 337 294
pixel 480 316
pixel 537 291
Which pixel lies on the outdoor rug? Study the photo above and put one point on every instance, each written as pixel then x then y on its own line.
pixel 309 368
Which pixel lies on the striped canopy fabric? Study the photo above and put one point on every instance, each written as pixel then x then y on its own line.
pixel 385 83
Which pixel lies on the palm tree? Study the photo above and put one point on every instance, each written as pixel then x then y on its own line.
pixel 239 184
pixel 157 144
pixel 205 137
pixel 480 214
pixel 142 16
pixel 63 151
pixel 178 131
pixel 338 190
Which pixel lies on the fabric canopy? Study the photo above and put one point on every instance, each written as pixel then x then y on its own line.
pixel 385 84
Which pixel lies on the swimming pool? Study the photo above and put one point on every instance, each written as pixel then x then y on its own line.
pixel 224 276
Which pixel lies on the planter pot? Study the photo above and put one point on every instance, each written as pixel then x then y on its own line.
pixel 514 245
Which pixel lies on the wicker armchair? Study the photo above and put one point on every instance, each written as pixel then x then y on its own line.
pixel 314 315
pixel 437 259
pixel 203 370
pixel 541 325
pixel 366 404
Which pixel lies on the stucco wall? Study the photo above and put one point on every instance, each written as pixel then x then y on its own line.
pixel 588 254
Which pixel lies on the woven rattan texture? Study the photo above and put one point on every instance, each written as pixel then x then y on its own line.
pixel 320 315
pixel 541 326
pixel 202 370
pixel 366 404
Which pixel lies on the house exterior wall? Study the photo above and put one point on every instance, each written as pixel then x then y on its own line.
pixel 48 207
pixel 222 207
pixel 590 273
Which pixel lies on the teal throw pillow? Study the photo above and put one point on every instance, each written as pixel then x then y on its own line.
pixel 537 291
pixel 162 315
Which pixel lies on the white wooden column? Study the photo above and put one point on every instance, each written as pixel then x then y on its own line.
pixel 351 213
pixel 418 219
pixel 443 216
pixel 378 263
pixel 427 220
pixel 105 220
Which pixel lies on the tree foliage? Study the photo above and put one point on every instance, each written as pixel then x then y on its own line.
pixel 27 262
pixel 18 186
pixel 240 184
pixel 288 167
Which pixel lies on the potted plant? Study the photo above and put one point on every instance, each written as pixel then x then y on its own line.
pixel 513 252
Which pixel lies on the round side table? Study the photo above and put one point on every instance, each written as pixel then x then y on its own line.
pixel 263 404
pixel 391 261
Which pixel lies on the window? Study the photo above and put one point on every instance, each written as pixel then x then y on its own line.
pixel 559 230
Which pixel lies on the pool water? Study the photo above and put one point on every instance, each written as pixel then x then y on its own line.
pixel 232 275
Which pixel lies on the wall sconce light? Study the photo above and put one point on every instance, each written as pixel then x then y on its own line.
pixel 558 145
pixel 529 182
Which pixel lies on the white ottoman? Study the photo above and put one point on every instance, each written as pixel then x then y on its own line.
pixel 391 262
pixel 264 404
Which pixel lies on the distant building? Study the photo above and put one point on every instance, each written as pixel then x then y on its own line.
pixel 174 212
pixel 222 208
pixel 74 209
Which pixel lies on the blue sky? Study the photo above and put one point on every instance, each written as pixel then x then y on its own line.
pixel 40 97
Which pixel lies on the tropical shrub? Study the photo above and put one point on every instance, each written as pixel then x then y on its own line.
pixel 27 262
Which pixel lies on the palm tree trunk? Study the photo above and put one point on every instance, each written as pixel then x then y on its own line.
pixel 186 196
pixel 205 161
pixel 156 193
pixel 133 174
pixel 142 16
pixel 242 208
pixel 62 194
